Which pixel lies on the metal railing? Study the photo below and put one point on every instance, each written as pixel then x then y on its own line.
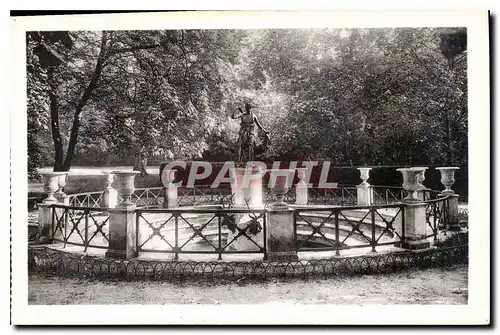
pixel 343 195
pixel 180 231
pixel 218 230
pixel 341 228
pixel 87 199
pixel 80 226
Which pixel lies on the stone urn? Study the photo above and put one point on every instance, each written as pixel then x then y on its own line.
pixel 124 181
pixel 364 175
pixel 108 180
pixel 301 174
pixel 167 177
pixel 447 178
pixel 421 179
pixel 62 184
pixel 301 196
pixel 51 184
pixel 283 179
pixel 410 182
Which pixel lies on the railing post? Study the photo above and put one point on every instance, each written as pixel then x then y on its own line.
pixel 415 226
pixel 373 242
pixel 364 191
pixel 122 219
pixel 415 220
pixel 280 235
pixel 86 213
pixel 219 231
pixel 337 234
pixel 169 188
pixel 176 246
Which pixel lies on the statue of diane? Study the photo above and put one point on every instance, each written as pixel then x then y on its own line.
pixel 246 138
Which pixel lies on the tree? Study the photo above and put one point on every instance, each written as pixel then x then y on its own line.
pixel 133 88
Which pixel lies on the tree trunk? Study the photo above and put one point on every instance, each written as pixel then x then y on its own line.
pixel 73 139
pixel 54 126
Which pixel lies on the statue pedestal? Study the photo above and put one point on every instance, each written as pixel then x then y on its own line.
pixel 246 188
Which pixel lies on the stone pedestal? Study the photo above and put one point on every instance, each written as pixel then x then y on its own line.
pixel 452 214
pixel 415 228
pixel 246 189
pixel 45 222
pixel 170 196
pixel 169 188
pixel 364 195
pixel 122 233
pixel 280 235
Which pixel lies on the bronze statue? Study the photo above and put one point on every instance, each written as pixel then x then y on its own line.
pixel 246 139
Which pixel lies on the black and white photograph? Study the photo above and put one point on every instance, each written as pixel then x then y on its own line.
pixel 191 164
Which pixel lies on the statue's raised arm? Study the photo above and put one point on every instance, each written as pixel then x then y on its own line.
pixel 237 115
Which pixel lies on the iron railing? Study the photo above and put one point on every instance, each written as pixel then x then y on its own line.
pixel 87 199
pixel 180 231
pixel 340 228
pixel 46 261
pixel 153 197
pixel 80 226
pixel 217 230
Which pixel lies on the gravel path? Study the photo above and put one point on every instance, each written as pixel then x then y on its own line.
pixel 431 286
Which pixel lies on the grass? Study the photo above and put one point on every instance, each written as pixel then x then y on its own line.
pixel 430 286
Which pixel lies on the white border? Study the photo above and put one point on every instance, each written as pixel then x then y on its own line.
pixel 477 311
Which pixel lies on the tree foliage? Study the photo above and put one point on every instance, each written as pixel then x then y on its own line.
pixel 352 96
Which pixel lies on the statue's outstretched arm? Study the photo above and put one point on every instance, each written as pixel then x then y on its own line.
pixel 234 115
pixel 259 125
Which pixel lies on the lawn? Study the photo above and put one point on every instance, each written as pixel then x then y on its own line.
pixel 430 286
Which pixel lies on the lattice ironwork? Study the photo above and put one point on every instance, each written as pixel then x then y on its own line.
pixel 90 199
pixel 79 227
pixel 343 228
pixel 147 197
pixel 385 195
pixel 436 216
pixel 181 231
